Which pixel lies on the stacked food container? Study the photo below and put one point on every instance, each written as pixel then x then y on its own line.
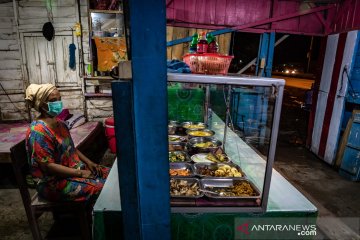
pixel 201 173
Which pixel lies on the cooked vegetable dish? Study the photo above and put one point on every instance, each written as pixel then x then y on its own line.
pixel 205 145
pixel 180 187
pixel 177 157
pixel 240 189
pixel 200 133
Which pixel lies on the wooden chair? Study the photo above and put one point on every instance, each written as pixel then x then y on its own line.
pixel 35 206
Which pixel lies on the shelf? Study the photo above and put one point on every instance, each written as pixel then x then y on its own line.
pixel 105 11
pixel 105 37
pixel 99 78
pixel 98 95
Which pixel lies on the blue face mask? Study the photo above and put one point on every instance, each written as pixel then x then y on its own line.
pixel 55 108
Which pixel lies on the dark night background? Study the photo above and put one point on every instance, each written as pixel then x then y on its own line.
pixel 293 50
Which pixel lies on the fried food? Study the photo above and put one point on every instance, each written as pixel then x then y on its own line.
pixel 227 171
pixel 179 172
pixel 217 157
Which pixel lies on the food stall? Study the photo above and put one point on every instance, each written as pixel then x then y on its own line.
pixel 219 180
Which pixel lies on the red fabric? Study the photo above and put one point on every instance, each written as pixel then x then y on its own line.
pixel 110 133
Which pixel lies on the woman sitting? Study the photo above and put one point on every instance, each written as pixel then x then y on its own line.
pixel 63 172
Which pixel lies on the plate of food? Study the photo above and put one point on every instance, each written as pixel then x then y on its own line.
pixel 200 158
pixel 216 157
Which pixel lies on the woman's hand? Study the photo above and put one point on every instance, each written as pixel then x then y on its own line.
pixel 87 174
pixel 95 169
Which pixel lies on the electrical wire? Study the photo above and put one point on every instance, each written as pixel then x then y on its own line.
pixel 100 108
pixel 232 125
pixel 20 110
pixel 232 42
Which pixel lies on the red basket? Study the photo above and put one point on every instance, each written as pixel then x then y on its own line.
pixel 208 63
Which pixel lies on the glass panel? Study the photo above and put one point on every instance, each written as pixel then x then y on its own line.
pixel 107 24
pixel 232 160
pixel 246 139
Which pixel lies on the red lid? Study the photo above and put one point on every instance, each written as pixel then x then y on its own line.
pixel 110 121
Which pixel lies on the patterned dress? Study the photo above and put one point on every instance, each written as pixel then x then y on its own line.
pixel 48 145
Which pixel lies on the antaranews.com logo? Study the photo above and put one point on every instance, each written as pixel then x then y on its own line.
pixel 274 228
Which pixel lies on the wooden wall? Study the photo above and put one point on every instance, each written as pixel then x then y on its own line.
pixel 178 51
pixel 27 57
pixel 11 77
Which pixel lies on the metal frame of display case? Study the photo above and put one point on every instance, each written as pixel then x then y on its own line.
pixel 278 88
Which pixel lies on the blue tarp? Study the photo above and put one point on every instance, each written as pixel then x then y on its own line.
pixel 176 66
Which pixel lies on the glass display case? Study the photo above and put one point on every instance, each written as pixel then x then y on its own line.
pixel 241 114
pixel 222 140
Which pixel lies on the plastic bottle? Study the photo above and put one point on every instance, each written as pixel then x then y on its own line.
pixel 77 27
pixel 213 46
pixel 194 42
pixel 202 45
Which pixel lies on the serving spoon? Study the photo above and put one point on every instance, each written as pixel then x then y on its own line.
pixel 216 193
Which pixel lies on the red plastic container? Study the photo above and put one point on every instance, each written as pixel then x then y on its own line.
pixel 208 63
pixel 110 133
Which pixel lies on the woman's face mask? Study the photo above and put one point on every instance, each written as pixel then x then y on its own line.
pixel 55 108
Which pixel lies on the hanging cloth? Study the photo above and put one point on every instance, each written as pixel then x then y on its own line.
pixel 48 28
pixel 72 48
pixel 72 63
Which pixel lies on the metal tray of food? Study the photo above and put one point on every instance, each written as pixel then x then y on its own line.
pixel 203 144
pixel 218 170
pixel 199 133
pixel 181 169
pixel 247 189
pixel 177 146
pixel 179 156
pixel 210 158
pixel 179 187
pixel 176 138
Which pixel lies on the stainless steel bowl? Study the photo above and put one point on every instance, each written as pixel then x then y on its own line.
pixel 195 133
pixel 193 125
pixel 196 149
pixel 177 146
pixel 173 127
pixel 177 138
